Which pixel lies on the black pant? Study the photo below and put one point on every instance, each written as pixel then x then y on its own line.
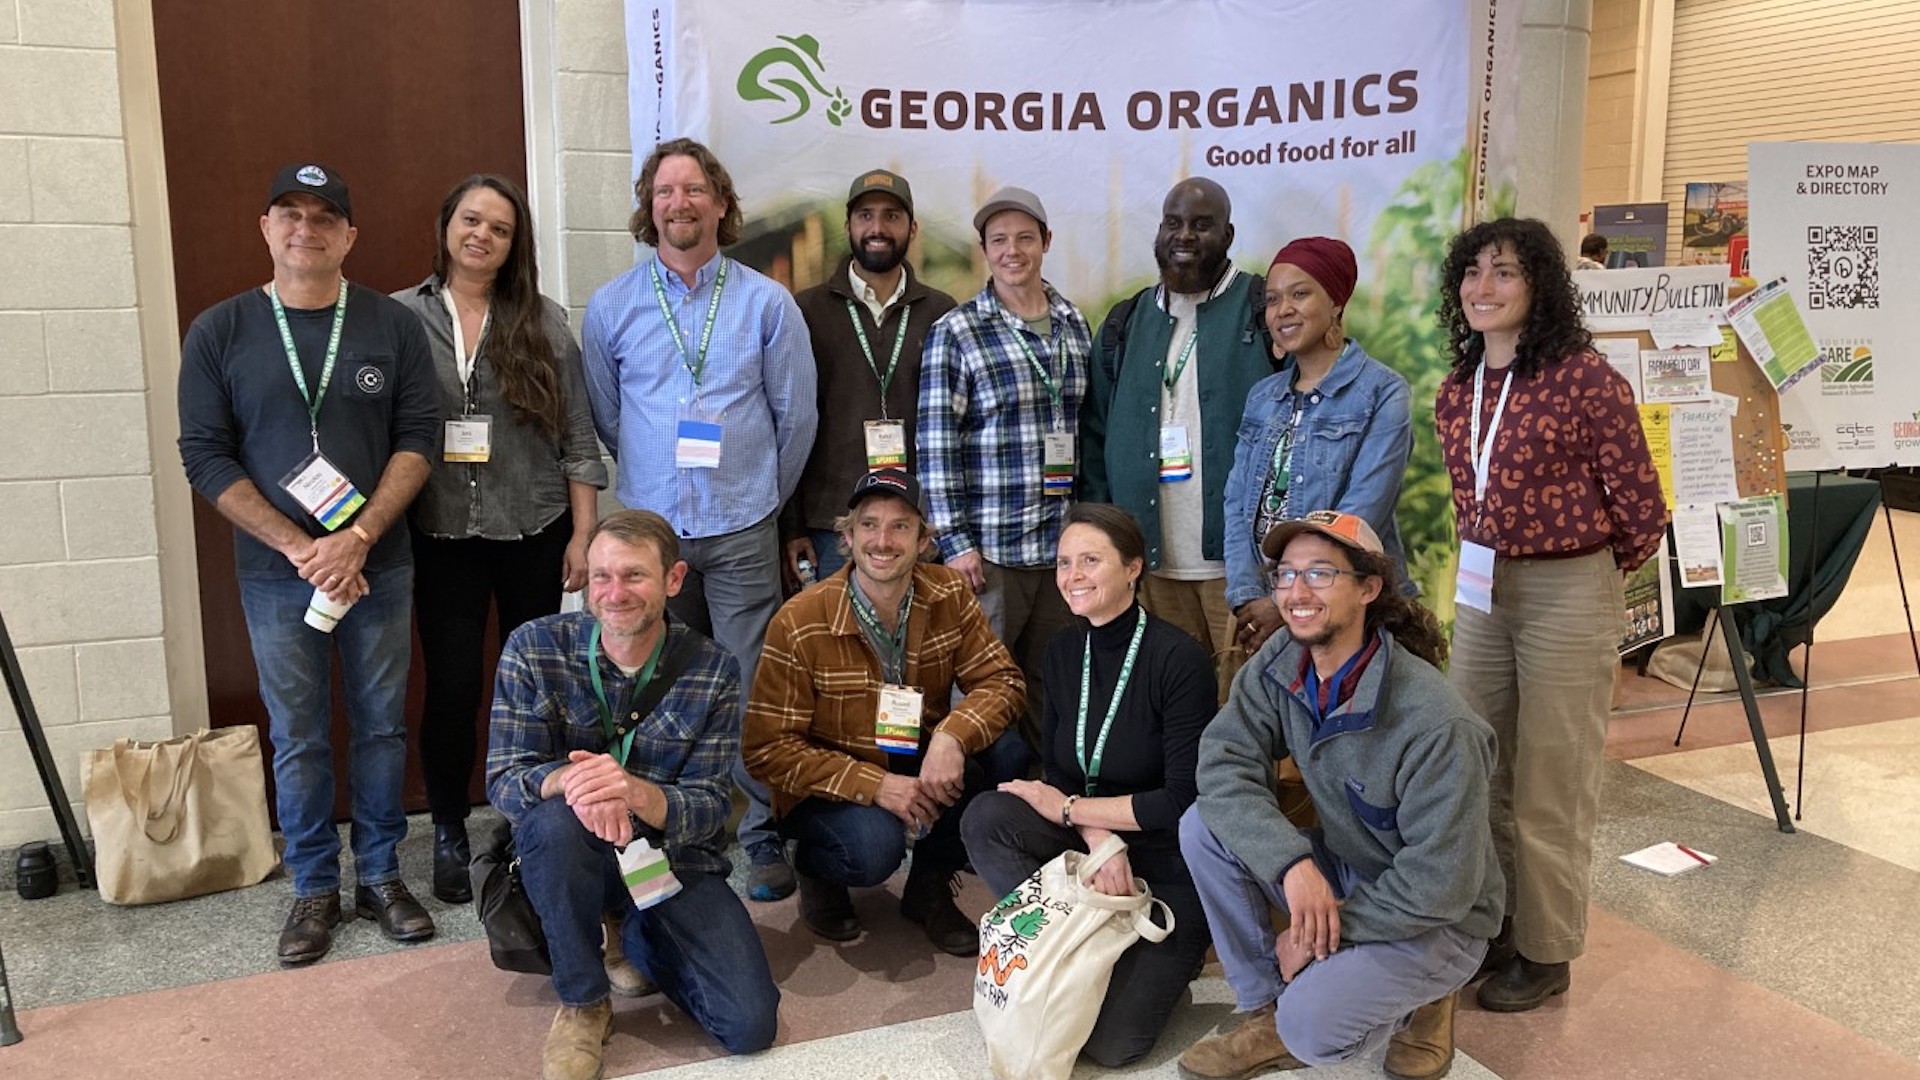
pixel 454 581
pixel 1008 841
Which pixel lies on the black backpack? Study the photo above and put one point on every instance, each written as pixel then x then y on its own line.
pixel 1113 332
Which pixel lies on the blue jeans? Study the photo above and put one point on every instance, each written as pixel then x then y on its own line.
pixel 731 591
pixel 375 643
pixel 699 945
pixel 826 552
pixel 1345 1006
pixel 850 844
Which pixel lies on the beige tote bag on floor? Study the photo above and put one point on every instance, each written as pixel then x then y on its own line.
pixel 180 818
pixel 1046 953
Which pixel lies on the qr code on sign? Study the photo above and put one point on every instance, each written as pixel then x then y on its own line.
pixel 1843 266
pixel 1756 534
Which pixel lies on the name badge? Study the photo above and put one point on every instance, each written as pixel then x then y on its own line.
pixel 896 724
pixel 697 445
pixel 323 491
pixel 1176 457
pixel 470 438
pixel 1474 585
pixel 1056 470
pixel 886 444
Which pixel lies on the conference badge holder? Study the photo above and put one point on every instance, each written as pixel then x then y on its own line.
pixel 886 445
pixel 1176 456
pixel 896 723
pixel 1474 587
pixel 1056 471
pixel 469 439
pixel 696 444
pixel 323 491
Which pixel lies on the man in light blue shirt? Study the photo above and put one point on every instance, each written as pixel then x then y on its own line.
pixel 701 379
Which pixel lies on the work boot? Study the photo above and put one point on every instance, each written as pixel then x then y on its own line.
pixel 1500 951
pixel 1523 985
pixel 625 979
pixel 451 854
pixel 928 900
pixel 390 904
pixel 770 876
pixel 1248 1049
pixel 827 909
pixel 576 1043
pixel 308 933
pixel 1423 1050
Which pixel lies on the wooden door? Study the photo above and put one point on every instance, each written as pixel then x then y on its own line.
pixel 400 99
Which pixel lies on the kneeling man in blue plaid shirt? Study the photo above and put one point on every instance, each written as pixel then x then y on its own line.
pixel 586 771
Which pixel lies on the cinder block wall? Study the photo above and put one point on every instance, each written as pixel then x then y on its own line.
pixel 79 576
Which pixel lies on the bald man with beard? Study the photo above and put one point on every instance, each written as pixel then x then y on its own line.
pixel 1172 367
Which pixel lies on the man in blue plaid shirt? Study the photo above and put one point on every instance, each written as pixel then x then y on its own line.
pixel 582 771
pixel 1000 390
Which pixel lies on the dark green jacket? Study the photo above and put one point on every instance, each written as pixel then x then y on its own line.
pixel 1120 422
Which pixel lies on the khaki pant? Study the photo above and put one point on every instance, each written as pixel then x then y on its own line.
pixel 1026 610
pixel 1200 608
pixel 1540 670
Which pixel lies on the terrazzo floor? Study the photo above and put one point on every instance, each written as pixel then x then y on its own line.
pixel 1792 956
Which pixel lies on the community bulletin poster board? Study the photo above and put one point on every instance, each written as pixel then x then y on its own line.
pixel 1713 425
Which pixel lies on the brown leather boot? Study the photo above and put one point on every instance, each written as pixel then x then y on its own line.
pixel 625 979
pixel 1245 1050
pixel 576 1043
pixel 1423 1050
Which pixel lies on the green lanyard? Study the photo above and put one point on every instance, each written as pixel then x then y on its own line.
pixel 891 645
pixel 620 733
pixel 293 356
pixel 1091 766
pixel 899 339
pixel 1171 378
pixel 698 364
pixel 1046 377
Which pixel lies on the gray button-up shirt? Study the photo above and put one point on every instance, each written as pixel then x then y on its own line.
pixel 522 488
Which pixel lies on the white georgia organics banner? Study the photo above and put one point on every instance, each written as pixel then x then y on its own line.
pixel 1314 114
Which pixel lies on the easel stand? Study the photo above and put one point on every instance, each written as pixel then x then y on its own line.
pixel 43 759
pixel 1737 656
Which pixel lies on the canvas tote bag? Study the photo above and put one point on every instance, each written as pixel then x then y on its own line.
pixel 180 818
pixel 1046 952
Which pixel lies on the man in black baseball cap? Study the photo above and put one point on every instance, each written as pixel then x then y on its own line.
pixel 849 724
pixel 309 416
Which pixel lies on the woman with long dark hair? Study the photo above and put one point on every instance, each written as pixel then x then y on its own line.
pixel 503 519
pixel 1129 694
pixel 1555 497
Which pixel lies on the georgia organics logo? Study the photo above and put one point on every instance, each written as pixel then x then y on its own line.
pixel 1906 433
pixel 791 73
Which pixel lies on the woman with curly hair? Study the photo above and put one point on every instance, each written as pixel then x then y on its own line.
pixel 504 516
pixel 1554 497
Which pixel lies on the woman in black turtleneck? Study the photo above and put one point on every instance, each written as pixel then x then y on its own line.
pixel 1137 784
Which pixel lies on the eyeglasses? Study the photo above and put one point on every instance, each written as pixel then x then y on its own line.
pixel 1318 577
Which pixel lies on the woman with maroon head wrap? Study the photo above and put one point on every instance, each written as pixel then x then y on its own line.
pixel 1331 430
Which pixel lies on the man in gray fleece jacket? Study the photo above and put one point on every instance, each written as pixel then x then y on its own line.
pixel 1392 900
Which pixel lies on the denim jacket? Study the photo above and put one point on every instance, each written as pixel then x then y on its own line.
pixel 1349 454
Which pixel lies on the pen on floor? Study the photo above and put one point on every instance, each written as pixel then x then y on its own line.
pixel 1694 855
